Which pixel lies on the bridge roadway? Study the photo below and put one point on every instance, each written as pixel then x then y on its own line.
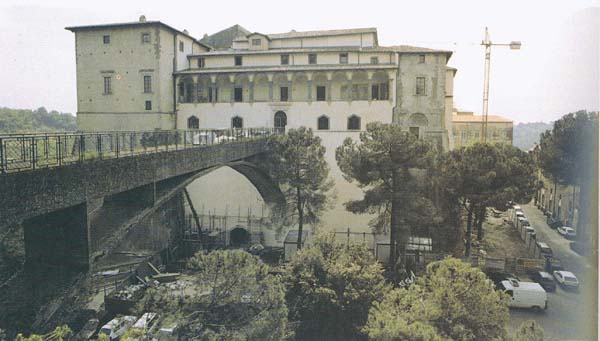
pixel 86 188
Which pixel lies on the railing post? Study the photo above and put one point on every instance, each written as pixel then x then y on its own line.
pixel 2 163
pixel 131 142
pixel 59 151
pixel 118 145
pixel 99 145
pixel 33 152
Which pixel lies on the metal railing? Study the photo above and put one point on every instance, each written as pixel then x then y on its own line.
pixel 22 152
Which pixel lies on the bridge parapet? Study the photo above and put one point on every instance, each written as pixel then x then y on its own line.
pixel 30 192
pixel 24 152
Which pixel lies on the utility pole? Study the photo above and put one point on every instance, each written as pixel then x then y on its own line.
pixel 514 45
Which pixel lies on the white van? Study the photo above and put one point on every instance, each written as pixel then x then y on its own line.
pixel 525 294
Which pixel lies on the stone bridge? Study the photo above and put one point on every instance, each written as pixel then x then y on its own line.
pixel 74 212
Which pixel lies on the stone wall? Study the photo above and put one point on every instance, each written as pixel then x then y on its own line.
pixel 32 193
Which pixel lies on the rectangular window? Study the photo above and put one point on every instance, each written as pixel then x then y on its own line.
pixel 148 105
pixel 312 58
pixel 343 58
pixel 384 91
pixel 421 58
pixel 283 94
pixel 107 85
pixel 375 92
pixel 420 90
pixel 285 59
pixel 238 94
pixel 321 93
pixel 380 92
pixel 147 84
pixel 180 46
pixel 106 39
pixel 374 60
pixel 201 62
pixel 238 60
pixel 145 38
pixel 213 94
pixel 256 42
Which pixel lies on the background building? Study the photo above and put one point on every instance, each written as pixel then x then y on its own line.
pixel 147 75
pixel 467 129
pixel 125 74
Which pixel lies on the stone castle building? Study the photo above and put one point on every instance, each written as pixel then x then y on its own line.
pixel 147 75
pixel 467 129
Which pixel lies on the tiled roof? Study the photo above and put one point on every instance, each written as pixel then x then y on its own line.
pixel 321 33
pixel 479 119
pixel 129 24
pixel 224 38
pixel 399 48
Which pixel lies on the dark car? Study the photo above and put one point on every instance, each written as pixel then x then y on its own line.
pixel 498 276
pixel 553 222
pixel 553 264
pixel 544 279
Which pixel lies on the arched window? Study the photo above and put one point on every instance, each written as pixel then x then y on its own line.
pixel 280 120
pixel 353 122
pixel 323 123
pixel 237 122
pixel 193 122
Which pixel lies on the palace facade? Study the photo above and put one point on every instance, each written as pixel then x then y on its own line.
pixel 148 75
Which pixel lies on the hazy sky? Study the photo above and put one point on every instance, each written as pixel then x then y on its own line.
pixel 557 70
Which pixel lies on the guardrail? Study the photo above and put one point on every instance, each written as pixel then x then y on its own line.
pixel 22 152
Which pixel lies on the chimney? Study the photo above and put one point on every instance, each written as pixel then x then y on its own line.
pixel 186 32
pixel 142 18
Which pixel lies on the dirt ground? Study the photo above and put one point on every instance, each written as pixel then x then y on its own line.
pixel 501 239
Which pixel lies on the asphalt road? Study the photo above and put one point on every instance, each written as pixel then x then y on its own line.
pixel 570 314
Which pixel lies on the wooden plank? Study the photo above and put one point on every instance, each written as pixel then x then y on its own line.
pixel 153 268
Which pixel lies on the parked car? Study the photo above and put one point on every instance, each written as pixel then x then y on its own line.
pixel 498 276
pixel 544 279
pixel 525 294
pixel 567 232
pixel 544 249
pixel 530 230
pixel 553 222
pixel 553 264
pixel 524 222
pixel 566 279
pixel 519 214
pixel 517 207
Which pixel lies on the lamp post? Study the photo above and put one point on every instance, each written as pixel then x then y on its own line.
pixel 514 45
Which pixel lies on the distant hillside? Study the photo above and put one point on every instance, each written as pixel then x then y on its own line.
pixel 39 120
pixel 525 135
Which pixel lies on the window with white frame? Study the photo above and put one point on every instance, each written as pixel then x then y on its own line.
pixel 147 83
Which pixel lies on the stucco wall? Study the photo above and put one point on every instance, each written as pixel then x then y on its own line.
pixel 219 115
pixel 426 112
pixel 126 59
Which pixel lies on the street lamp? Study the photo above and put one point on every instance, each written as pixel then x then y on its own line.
pixel 514 45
